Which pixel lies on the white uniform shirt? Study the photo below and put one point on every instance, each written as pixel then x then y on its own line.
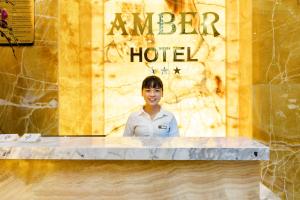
pixel 140 123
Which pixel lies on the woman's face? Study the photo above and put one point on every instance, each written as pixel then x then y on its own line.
pixel 152 96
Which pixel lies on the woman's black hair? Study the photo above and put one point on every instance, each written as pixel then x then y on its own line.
pixel 152 82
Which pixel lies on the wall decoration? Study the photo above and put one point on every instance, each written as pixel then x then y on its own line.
pixel 18 22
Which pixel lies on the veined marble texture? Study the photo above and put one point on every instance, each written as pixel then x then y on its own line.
pixel 196 94
pixel 135 148
pixel 276 92
pixel 276 121
pixel 29 82
pixel 128 180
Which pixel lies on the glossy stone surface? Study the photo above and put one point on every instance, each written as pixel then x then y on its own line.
pixel 29 83
pixel 276 92
pixel 109 180
pixel 135 148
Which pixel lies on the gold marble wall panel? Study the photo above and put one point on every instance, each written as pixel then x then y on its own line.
pixel 276 92
pixel 61 180
pixel 276 121
pixel 245 68
pixel 29 82
pixel 97 67
pixel 232 70
pixel 75 72
pixel 239 68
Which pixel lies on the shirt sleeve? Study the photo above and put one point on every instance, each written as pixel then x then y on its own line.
pixel 173 128
pixel 128 127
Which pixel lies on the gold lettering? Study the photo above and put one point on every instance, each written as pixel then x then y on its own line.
pixel 212 24
pixel 118 23
pixel 138 24
pixel 184 22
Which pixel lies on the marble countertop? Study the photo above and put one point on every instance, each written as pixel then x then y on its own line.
pixel 135 148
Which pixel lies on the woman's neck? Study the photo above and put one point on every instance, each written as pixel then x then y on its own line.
pixel 152 110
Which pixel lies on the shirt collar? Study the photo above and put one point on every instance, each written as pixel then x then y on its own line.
pixel 160 114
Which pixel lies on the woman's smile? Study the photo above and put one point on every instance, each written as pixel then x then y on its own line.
pixel 152 96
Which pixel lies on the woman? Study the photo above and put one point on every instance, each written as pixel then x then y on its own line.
pixel 152 119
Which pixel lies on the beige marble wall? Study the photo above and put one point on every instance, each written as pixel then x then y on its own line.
pixel 276 92
pixel 62 180
pixel 29 84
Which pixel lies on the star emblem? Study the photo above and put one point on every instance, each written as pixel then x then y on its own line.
pixel 177 70
pixel 153 71
pixel 164 70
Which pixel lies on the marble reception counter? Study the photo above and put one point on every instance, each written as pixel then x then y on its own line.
pixel 135 148
pixel 131 168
